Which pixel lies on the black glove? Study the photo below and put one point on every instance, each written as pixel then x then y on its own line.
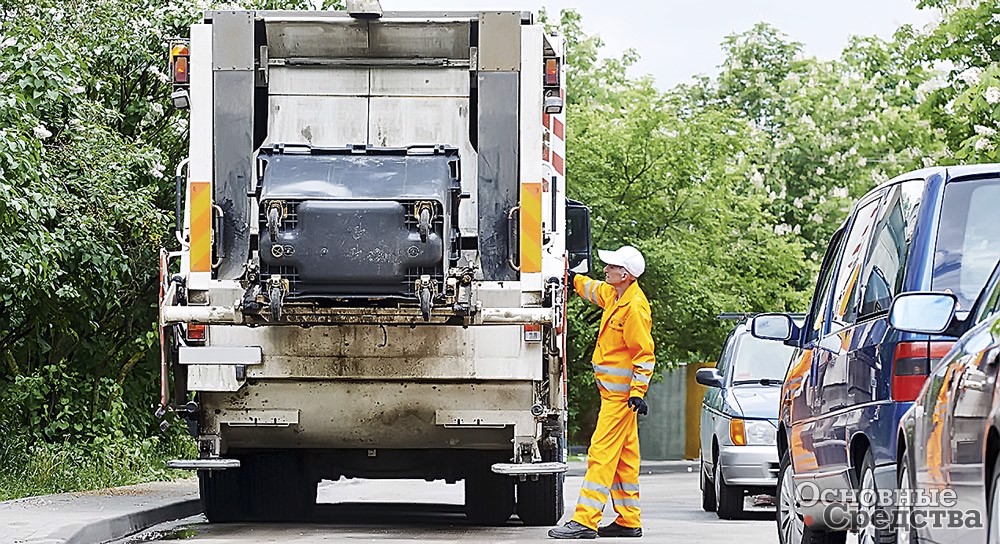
pixel 638 405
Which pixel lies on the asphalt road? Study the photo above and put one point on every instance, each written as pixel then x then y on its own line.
pixel 417 511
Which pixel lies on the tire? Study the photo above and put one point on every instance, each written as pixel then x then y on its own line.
pixel 872 534
pixel 728 499
pixel 280 490
pixel 707 489
pixel 791 528
pixel 540 503
pixel 225 495
pixel 993 506
pixel 904 482
pixel 489 497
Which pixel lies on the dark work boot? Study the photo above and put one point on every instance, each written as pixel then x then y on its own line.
pixel 615 530
pixel 572 529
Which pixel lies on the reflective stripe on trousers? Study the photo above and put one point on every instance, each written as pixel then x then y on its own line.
pixel 612 467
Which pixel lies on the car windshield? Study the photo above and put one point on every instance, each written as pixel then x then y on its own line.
pixel 758 359
pixel 968 243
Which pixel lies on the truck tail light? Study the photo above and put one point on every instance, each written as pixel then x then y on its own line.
pixel 179 69
pixel 533 332
pixel 738 432
pixel 551 72
pixel 196 332
pixel 911 363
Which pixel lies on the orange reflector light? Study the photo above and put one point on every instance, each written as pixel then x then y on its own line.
pixel 196 332
pixel 737 432
pixel 533 332
pixel 179 55
pixel 552 72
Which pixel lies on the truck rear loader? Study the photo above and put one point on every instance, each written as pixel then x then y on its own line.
pixel 374 239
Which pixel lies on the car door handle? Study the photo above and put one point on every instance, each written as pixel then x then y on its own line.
pixel 974 379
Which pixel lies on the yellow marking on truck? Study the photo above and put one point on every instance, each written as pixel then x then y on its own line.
pixel 531 227
pixel 201 226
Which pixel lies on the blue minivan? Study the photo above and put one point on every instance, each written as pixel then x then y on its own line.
pixel 852 375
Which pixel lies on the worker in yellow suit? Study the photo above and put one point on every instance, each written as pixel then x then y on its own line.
pixel 623 364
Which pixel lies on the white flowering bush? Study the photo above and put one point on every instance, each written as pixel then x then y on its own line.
pixel 964 51
pixel 87 141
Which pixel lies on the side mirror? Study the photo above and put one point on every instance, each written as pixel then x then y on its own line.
pixel 773 327
pixel 923 312
pixel 578 248
pixel 709 377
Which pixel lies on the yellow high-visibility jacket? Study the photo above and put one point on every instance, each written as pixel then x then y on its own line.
pixel 623 359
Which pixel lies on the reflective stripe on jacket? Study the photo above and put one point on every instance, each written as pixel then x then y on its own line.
pixel 623 358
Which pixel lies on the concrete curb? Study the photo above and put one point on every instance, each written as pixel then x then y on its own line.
pixel 99 515
pixel 117 528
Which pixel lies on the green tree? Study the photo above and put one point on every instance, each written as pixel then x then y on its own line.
pixel 832 129
pixel 88 139
pixel 961 99
pixel 668 175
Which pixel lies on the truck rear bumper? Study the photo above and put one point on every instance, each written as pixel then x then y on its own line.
pixel 366 414
pixel 529 469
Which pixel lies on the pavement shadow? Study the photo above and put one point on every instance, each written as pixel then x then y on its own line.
pixel 380 513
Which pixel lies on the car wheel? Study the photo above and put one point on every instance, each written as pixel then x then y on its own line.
pixel 904 482
pixel 868 492
pixel 993 518
pixel 707 489
pixel 791 526
pixel 728 499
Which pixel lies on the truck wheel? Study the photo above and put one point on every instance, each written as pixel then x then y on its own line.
pixel 707 489
pixel 281 489
pixel 224 495
pixel 489 497
pixel 540 503
pixel 729 499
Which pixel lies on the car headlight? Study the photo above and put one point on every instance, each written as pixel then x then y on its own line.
pixel 752 433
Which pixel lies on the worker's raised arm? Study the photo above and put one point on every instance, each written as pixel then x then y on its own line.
pixel 595 291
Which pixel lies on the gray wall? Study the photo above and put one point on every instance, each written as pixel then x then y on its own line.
pixel 662 434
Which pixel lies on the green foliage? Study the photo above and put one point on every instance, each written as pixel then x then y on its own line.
pixel 88 139
pixel 667 173
pixel 962 98
pixel 732 185
pixel 29 467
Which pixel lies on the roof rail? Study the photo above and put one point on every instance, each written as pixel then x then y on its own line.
pixel 740 316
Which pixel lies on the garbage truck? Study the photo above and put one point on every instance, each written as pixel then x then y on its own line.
pixel 370 272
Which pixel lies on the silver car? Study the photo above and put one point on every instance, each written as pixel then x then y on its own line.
pixel 739 422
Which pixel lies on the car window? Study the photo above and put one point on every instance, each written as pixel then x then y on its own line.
pixel 821 296
pixel 727 355
pixel 991 294
pixel 968 242
pixel 756 359
pixel 846 287
pixel 893 232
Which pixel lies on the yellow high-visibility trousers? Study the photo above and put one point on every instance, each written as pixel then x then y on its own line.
pixel 612 467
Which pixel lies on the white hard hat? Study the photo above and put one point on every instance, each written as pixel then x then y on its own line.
pixel 627 257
